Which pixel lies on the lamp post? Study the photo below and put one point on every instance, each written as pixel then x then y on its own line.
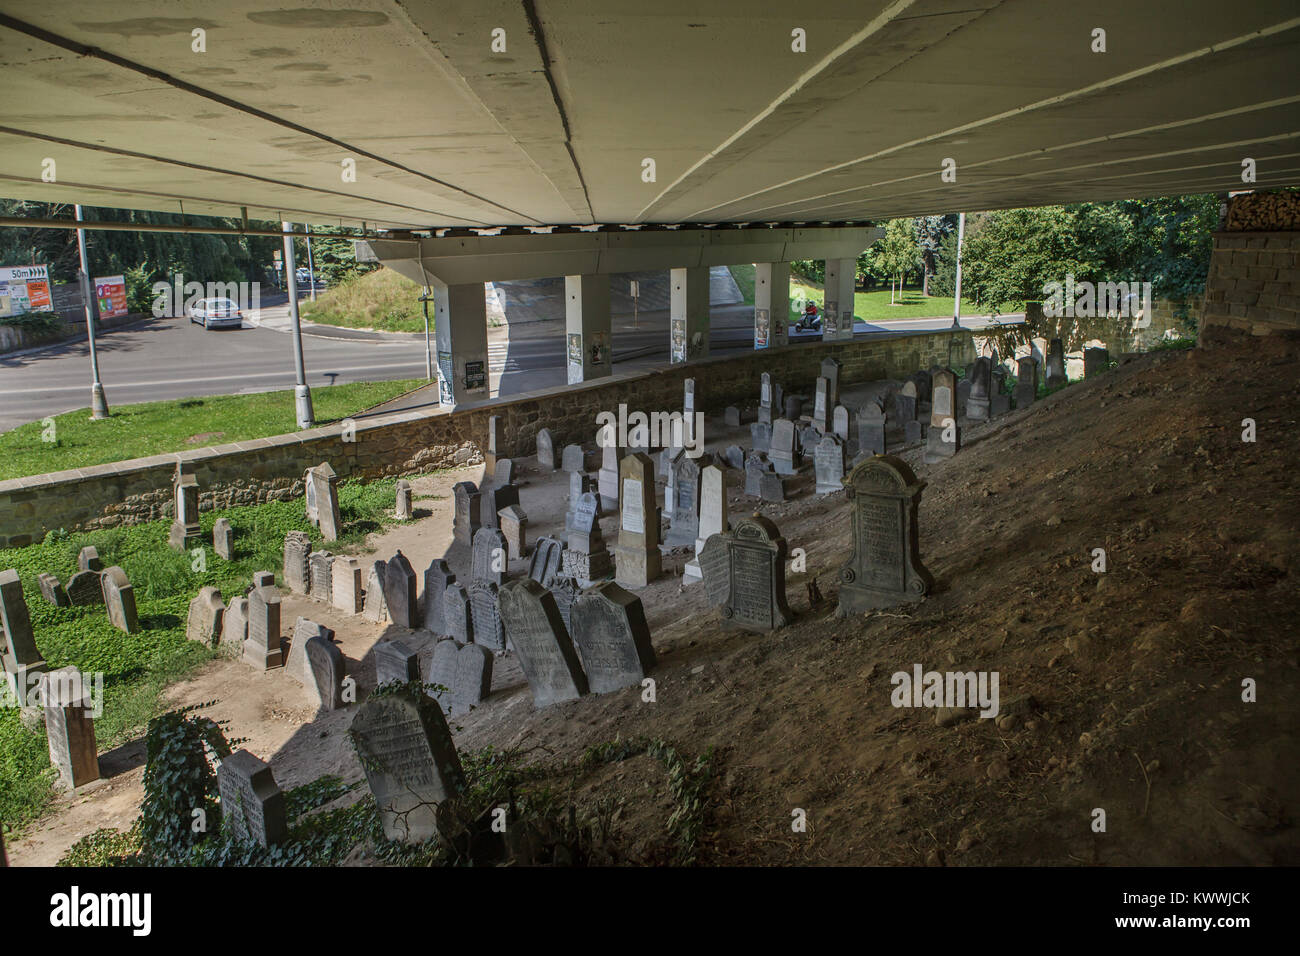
pixel 301 393
pixel 956 299
pixel 98 403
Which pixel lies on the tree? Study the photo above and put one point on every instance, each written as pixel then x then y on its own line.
pixel 930 234
pixel 898 252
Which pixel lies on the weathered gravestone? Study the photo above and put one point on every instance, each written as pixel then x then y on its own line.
pixel 793 407
pixel 472 680
pixel 206 618
pixel 612 637
pixel 545 450
pixel 323 500
pixel 573 458
pixel 905 403
pixel 489 557
pixel 297 665
pixel 921 380
pixel 394 661
pixel 88 559
pixel 22 661
pixel 731 416
pixel 841 423
pixel 871 428
pixel 1026 381
pixel 85 588
pixel 69 727
pixel 586 557
pixel 346 590
pixel 436 578
pixel 771 487
pixel 504 473
pixel 252 805
pixel 403 510
pixel 297 566
pixel 755 466
pixel 1095 361
pixel 513 523
pixel 223 539
pixel 119 597
pixel 410 762
pixel 821 417
pixel 327 671
pixel 999 400
pixel 754 569
pixel 442 673
pixel 579 485
pixel 234 626
pixel 760 436
pixel 885 568
pixel 547 560
pixel 607 477
pixel 263 579
pixel 400 592
pixel 685 513
pixel 943 440
pixel 52 590
pixel 375 606
pixel 545 651
pixel 1056 364
pixel 831 368
pixel 978 402
pixel 637 560
pixel 734 456
pixel 485 612
pixel 495 500
pixel 321 564
pixel 565 590
pixel 494 446
pixel 457 614
pixel 465 523
pixel 765 399
pixel 262 649
pixel 782 452
pixel 828 462
pixel 185 532
pixel 713 516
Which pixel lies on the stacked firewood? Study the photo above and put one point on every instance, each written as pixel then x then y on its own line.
pixel 1265 212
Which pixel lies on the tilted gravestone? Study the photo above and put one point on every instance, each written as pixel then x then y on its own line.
pixel 979 400
pixel 545 450
pixel 297 567
pixel 1055 364
pixel 831 369
pixel 713 515
pixel 755 592
pixel 586 557
pixel 85 588
pixel 88 559
pixel 485 612
pixel 765 399
pixel 327 670
pixel 871 428
pixel 513 523
pixel 472 680
pixel 436 578
pixel 1095 361
pixel 545 651
pixel 943 440
pixel 457 614
pixel 252 805
pixel 715 567
pixel 119 597
pixel 223 539
pixel 185 532
pixel 735 457
pixel 637 560
pixel 489 557
pixel 22 662
pixel 565 590
pixel 828 462
pixel 296 664
pixel 262 649
pixel 234 626
pixel 760 436
pixel 442 673
pixel 403 509
pixel 52 590
pixel 465 522
pixel 347 593
pixel 573 458
pixel 375 606
pixel 69 727
pixel 493 501
pixel 394 661
pixel 323 500
pixel 755 467
pixel 782 452
pixel 609 628
pixel 885 568
pixel 547 560
pixel 400 592
pixel 321 564
pixel 685 501
pixel 410 762
pixel 206 617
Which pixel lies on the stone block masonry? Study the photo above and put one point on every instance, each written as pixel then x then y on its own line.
pixel 1253 285
pixel 405 443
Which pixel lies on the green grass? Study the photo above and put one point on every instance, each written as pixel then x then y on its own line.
pixel 155 428
pixel 744 276
pixel 382 300
pixel 138 667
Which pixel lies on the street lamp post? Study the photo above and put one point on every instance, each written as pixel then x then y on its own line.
pixel 428 347
pixel 301 393
pixel 956 299
pixel 98 403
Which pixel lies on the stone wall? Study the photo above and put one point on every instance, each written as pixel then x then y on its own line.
pixel 271 469
pixel 1253 285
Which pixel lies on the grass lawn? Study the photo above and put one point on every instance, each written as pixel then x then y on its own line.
pixel 137 667
pixel 154 428
pixel 382 300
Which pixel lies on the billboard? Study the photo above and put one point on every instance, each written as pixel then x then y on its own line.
pixel 24 289
pixel 110 294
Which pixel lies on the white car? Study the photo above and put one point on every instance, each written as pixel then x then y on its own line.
pixel 217 314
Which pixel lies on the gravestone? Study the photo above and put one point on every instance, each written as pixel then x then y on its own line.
pixel 22 661
pixel 85 588
pixel 297 665
pixel 841 423
pixel 871 428
pixel 541 642
pixel 999 400
pixel 69 727
pixel 685 514
pixel 885 568
pixel 912 432
pixel 905 403
pixel 472 678
pixel 778 399
pixel 442 673
pixel 223 539
pixel 713 516
pixel 234 627
pixel 735 457
pixel 321 564
pixel 375 606
pixel 688 412
pixel 715 566
pixel 765 399
pixel 547 561
pixel 573 458
pixel 831 368
pixel 612 638
pixel 119 597
pixel 829 465
pixel 821 417
pixel 1055 364
pixel 403 510
pixel 963 394
pixel 978 401
pixel 263 579
pixel 1026 381
pixel 1095 361
pixel 771 488
pixel 731 416
pixel 323 493
pixel 52 590
pixel 347 592
pixel 465 523
pixel 637 560
pixel 262 649
pixel 756 577
pixel 755 467
pixel 410 762
pixel 793 407
pixel 185 532
pixel 782 452
pixel 586 557
pixel 206 617
pixel 297 569
pixel 943 440
pixel 545 450
pixel 504 473
pixel 252 805
pixel 514 528
pixel 88 559
pixel 458 619
pixel 921 380
pixel 493 501
pixel 760 436
pixel 565 590
pixel 579 485
pixel 436 578
pixel 485 612
pixel 394 661
pixel 489 557
pixel 400 592
pixel 327 671
pixel 607 477
pixel 494 446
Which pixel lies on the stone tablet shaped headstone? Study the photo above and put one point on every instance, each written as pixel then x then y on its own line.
pixel 490 556
pixel 494 501
pixel 400 592
pixel 410 762
pixel 21 660
pixel 88 559
pixel 119 597
pixel 394 661
pixel 829 464
pixel 831 368
pixel 262 649
pixel 685 515
pixel 782 452
pixel 69 727
pixel 841 423
pixel 442 673
pixel 436 578
pixel 545 450
pixel 206 617
pixel 546 562
pixel 871 428
pixel 321 564
pixel 327 672
pixel 713 516
pixel 347 591
pixel 403 510
pixel 504 473
pixel 731 416
pixel 565 590
pixel 223 539
pixel 323 483
pixel 885 568
pixel 85 588
pixel 637 560
pixel 185 529
pixel 466 521
pixel 297 568
pixel 822 407
pixel 978 401
pixel 771 488
pixel 472 681
pixel 297 665
pixel 375 606
pixel 765 398
pixel 545 651
pixel 760 436
pixel 735 457
pixel 485 612
pixel 1055 364
pixel 715 567
pixel 1095 361
pixel 252 805
pixel 609 627
pixel 52 590
pixel 793 407
pixel 513 523
pixel 755 467
pixel 234 627
pixel 607 477
pixel 457 614
pixel 756 592
pixel 573 458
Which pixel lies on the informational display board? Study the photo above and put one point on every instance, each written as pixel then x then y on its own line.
pixel 25 289
pixel 110 293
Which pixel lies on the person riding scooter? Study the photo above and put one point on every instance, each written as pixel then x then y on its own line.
pixel 811 320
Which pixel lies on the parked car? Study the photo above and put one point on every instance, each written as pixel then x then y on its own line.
pixel 217 314
pixel 302 275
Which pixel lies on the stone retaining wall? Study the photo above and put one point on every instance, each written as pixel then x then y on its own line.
pixel 1253 285
pixel 271 469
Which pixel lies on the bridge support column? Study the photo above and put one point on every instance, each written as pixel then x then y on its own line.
pixel 771 304
pixel 688 326
pixel 837 323
pixel 588 338
pixel 461 336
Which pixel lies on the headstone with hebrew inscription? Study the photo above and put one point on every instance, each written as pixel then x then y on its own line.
pixel 400 592
pixel 756 598
pixel 609 628
pixel 828 463
pixel 69 727
pixel 885 569
pixel 547 560
pixel 488 560
pixel 637 560
pixel 545 450
pixel 252 805
pixel 297 563
pixel 321 564
pixel 472 681
pixel 262 649
pixel 323 485
pixel 119 598
pixel 783 454
pixel 206 617
pixel 436 578
pixel 541 642
pixel 394 661
pixel 465 521
pixel 485 612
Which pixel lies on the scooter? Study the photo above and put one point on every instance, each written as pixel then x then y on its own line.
pixel 810 321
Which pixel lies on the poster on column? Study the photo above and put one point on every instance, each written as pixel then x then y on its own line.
pixel 830 319
pixel 846 324
pixel 445 378
pixel 762 328
pixel 110 294
pixel 575 358
pixel 679 340
pixel 475 375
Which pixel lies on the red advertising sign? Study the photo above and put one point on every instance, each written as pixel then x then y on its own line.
pixel 110 292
